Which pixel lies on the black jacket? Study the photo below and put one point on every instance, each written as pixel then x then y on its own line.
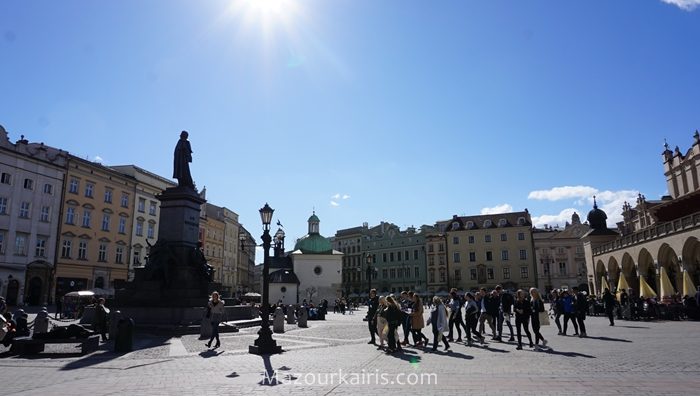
pixel 373 304
pixel 523 305
pixel 507 302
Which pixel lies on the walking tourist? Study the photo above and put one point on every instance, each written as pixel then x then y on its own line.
pixel 438 320
pixel 580 307
pixel 215 313
pixel 609 305
pixel 523 312
pixel 373 304
pixel 537 307
pixel 419 339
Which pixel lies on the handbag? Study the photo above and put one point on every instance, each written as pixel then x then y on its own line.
pixel 544 318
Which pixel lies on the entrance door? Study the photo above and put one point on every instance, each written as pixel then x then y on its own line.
pixel 12 292
pixel 35 291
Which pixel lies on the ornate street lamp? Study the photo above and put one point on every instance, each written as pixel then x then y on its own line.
pixel 264 344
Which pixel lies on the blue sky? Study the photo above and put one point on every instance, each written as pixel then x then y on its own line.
pixel 367 111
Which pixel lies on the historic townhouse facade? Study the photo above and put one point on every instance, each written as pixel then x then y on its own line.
pixel 560 256
pixel 95 227
pixel 354 264
pixel 486 250
pixel 31 181
pixel 231 246
pixel 212 229
pixel 436 254
pixel 246 269
pixel 145 211
pixel 656 236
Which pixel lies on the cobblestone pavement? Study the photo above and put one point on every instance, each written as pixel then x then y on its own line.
pixel 332 357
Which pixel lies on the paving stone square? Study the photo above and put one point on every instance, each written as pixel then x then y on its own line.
pixel 333 357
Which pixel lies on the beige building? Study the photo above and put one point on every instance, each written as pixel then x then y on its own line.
pixel 31 181
pixel 145 211
pixel 560 256
pixel 654 234
pixel 96 221
pixel 436 256
pixel 212 228
pixel 231 246
pixel 246 259
pixel 487 250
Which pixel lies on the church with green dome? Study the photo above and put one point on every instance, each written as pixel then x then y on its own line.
pixel 315 273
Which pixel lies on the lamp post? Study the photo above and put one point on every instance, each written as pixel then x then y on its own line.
pixel 369 271
pixel 264 344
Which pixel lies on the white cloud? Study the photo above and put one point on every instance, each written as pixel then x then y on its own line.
pixel 565 192
pixel 609 201
pixel 97 159
pixel 336 196
pixel 346 196
pixel 688 5
pixel 333 203
pixel 505 208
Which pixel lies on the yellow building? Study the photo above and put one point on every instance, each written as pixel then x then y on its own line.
pixel 436 263
pixel 487 250
pixel 212 228
pixel 95 227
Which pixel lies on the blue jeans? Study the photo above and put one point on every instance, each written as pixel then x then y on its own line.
pixel 214 332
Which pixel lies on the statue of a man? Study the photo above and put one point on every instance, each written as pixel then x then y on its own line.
pixel 183 157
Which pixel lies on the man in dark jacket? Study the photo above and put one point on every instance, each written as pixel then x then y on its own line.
pixel 371 313
pixel 505 311
pixel 609 304
pixel 580 308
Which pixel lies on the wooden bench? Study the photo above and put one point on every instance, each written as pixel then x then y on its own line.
pixel 29 346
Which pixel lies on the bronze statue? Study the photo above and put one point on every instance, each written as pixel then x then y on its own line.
pixel 183 156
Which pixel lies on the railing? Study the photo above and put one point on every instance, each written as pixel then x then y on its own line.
pixel 648 234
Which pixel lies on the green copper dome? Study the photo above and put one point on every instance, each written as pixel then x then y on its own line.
pixel 314 244
pixel 314 218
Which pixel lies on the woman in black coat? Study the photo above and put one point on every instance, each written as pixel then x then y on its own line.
pixel 522 316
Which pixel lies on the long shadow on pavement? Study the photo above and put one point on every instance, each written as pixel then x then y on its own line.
pixel 107 354
pixel 407 355
pixel 567 354
pixel 209 353
pixel 608 339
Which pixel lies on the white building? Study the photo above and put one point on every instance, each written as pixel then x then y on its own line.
pixel 31 181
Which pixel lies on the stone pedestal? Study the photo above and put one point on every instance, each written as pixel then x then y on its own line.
pixel 303 317
pixel 278 321
pixel 41 322
pixel 291 318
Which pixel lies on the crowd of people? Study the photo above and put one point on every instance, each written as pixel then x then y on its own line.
pixel 471 312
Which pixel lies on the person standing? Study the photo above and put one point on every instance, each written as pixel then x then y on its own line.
pixel 505 312
pixel 609 305
pixel 216 315
pixel 523 312
pixel 59 307
pixel 393 317
pixel 406 303
pixel 580 307
pixel 438 319
pixel 373 304
pixel 417 324
pixel 557 306
pixel 382 324
pixel 537 307
pixel 455 316
pixel 569 311
pixel 101 318
pixel 471 318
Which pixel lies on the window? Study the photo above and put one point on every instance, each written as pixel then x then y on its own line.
pixel 455 240
pixel 125 200
pixel 48 188
pixel 74 186
pixel 391 257
pixel 40 250
pixel 560 250
pixel 89 189
pixel 431 260
pixel 108 195
pixel 392 273
pixel 384 257
pixel 139 228
pixel 487 238
pixel 523 272
pixel 100 282
pixel 5 178
pixel 472 256
pixel 489 273
pixel 24 210
pixel 441 260
pixel 562 268
pixel 415 254
pixel 487 223
pixel 431 275
pixel 151 230
pixel 28 184
pixel 2 242
pixel 122 225
pixel 45 213
pixel 3 205
pixel 523 254
pixel 456 257
pixel 470 224
pixel 471 238
pixel 504 255
pixel 405 255
pixel 416 272
pixel 65 248
pixel 489 256
pixel 521 221
pixel 137 256
pixel 506 273
pixel 142 205
pixel 385 273
pixel 398 256
pixel 502 222
pixel 70 215
pixel 472 274
pixel 443 275
pixel 21 245
pixel 82 250
pixel 458 274
pixel 430 248
pixel 441 247
pixel 152 208
pixel 102 253
pixel 521 236
pixel 86 218
pixel 504 237
pixel 105 222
